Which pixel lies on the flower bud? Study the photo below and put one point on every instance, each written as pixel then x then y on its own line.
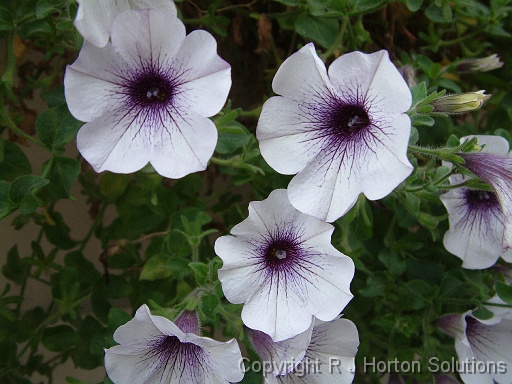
pixel 483 64
pixel 459 103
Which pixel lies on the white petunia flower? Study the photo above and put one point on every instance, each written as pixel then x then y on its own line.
pixel 476 226
pixel 343 132
pixel 281 265
pixel 329 357
pixel 94 18
pixel 494 166
pixel 280 358
pixel 147 96
pixel 484 347
pixel 153 350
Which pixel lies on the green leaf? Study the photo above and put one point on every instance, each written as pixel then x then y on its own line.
pixel 232 137
pixel 291 2
pixel 113 185
pixel 413 139
pixel 35 29
pixel 419 93
pixel 162 266
pixel 15 269
pixel 116 288
pixel 327 8
pixel 100 306
pixel 359 7
pixel 155 268
pixel 453 141
pixel 6 19
pixel 209 304
pixel 5 205
pixel 59 338
pixel 417 294
pixel 375 285
pixel 200 270
pixel 417 119
pixel 117 317
pixel 54 97
pixel 414 5
pixel 13 162
pixel 322 30
pixel 45 8
pixel 483 313
pixel 446 11
pixel 57 232
pixel 56 126
pixel 63 173
pixel 391 259
pixel 88 274
pixel 23 190
pixel 504 291
pixel 435 14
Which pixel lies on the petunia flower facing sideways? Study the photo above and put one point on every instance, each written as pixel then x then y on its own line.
pixel 154 350
pixel 476 226
pixel 280 263
pixel 484 347
pixel 328 354
pixel 343 132
pixel 94 18
pixel 494 166
pixel 146 97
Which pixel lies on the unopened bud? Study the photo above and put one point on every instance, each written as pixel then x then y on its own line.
pixel 483 64
pixel 459 103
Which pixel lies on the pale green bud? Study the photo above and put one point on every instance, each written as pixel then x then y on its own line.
pixel 483 64
pixel 459 103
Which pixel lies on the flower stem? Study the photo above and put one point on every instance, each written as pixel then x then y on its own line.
pixel 19 132
pixel 252 113
pixel 98 218
pixel 338 40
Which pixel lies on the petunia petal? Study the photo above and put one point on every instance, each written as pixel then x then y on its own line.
pixel 109 141
pixel 139 329
pixel 302 74
pixel 206 77
pixel 182 143
pixel 91 83
pixel 372 75
pixel 95 17
pixel 139 38
pixel 289 148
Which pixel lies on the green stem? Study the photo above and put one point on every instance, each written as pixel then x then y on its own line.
pixel 459 39
pixel 97 220
pixel 195 252
pixel 252 113
pixel 48 167
pixel 218 161
pixel 193 21
pixel 338 40
pixel 423 150
pixel 49 320
pixel 445 177
pixel 19 132
pixel 498 305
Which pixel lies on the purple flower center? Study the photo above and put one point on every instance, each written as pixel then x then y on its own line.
pixel 344 124
pixel 481 200
pixel 348 120
pixel 279 250
pixel 151 89
pixel 167 353
pixel 283 258
pixel 481 208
